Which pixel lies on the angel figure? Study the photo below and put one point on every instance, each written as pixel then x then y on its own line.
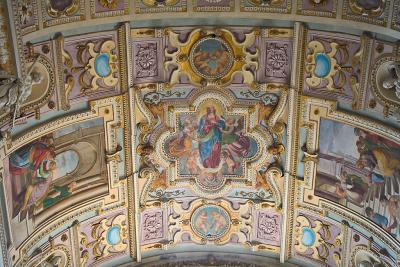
pixel 14 91
pixel 393 81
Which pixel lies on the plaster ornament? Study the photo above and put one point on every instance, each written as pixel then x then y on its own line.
pixel 159 3
pixel 111 4
pixel 211 56
pixel 363 256
pixel 393 79
pixel 265 3
pixel 370 8
pixel 14 91
pixel 278 60
pixel 52 262
pixel 146 60
pixel 59 8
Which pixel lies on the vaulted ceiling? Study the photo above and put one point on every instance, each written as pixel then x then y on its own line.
pixel 200 133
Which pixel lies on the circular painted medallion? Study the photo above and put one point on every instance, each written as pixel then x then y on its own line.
pixel 211 58
pixel 210 222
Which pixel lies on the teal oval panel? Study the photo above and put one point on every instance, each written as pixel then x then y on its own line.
pixel 322 65
pixel 102 65
pixel 114 235
pixel 308 237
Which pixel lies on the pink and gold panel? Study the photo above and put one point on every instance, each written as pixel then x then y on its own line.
pixel 88 67
pixel 26 11
pixel 372 11
pixel 55 12
pixel 154 6
pixel 103 239
pixel 217 6
pixel 333 66
pixel 318 240
pixel 108 8
pixel 275 53
pixel 147 55
pixel 320 8
pixel 206 56
pixel 269 6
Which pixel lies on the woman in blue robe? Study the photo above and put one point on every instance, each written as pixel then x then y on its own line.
pixel 210 138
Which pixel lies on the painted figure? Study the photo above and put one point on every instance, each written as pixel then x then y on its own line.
pixel 377 218
pixel 211 57
pixel 370 176
pixel 393 81
pixel 209 145
pixel 61 192
pixel 14 91
pixel 210 138
pixel 182 146
pixel 31 168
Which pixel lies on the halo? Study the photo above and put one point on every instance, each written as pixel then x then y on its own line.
pixel 202 109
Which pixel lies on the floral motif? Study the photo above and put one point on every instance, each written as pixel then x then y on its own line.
pixel 146 60
pixel 277 60
pixel 268 226
pixel 103 238
pixel 152 225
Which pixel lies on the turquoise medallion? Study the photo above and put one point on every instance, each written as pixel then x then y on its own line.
pixel 308 237
pixel 114 235
pixel 322 65
pixel 102 65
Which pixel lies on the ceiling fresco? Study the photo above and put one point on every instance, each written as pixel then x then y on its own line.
pixel 220 144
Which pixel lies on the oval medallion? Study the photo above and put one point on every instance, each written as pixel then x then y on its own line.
pixel 114 235
pixel 322 65
pixel 102 65
pixel 210 222
pixel 211 58
pixel 308 237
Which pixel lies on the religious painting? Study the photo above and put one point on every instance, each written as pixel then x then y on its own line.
pixel 54 167
pixel 31 168
pixel 210 222
pixel 210 145
pixel 360 170
pixel 211 58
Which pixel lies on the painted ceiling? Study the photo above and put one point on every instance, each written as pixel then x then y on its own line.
pixel 200 133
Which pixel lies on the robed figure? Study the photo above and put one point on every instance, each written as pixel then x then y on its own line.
pixel 209 134
pixel 31 170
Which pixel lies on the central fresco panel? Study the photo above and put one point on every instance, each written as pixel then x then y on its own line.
pixel 210 144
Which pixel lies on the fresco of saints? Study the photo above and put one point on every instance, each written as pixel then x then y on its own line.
pixel 209 145
pixel 379 152
pixel 209 136
pixel 374 162
pixel 31 169
pixel 352 188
